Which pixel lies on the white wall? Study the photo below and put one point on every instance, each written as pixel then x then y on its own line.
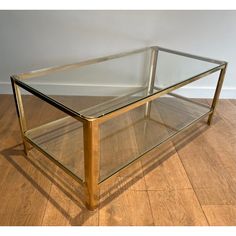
pixel 31 40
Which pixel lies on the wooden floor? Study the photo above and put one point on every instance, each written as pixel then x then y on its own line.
pixel 189 181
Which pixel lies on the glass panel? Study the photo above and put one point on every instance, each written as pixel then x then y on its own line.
pixel 97 89
pixel 100 82
pixel 126 137
pixel 173 69
pixel 61 136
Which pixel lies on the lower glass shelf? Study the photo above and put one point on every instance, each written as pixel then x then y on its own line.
pixel 122 139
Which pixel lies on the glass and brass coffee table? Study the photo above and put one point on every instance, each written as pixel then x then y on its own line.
pixel 108 112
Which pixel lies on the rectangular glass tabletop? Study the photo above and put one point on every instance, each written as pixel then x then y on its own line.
pixel 116 81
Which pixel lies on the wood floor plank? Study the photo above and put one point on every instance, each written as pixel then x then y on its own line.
pixel 26 188
pixel 209 160
pixel 226 110
pixel 66 208
pixel 163 170
pixel 131 208
pixel 26 191
pixel 176 207
pixel 210 179
pixel 233 101
pixel 6 103
pixel 124 206
pixel 221 215
pixel 226 138
pixel 132 177
pixel 162 167
pixel 154 191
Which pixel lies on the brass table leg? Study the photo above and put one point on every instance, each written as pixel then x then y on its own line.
pixel 20 113
pixel 91 163
pixel 151 81
pixel 217 93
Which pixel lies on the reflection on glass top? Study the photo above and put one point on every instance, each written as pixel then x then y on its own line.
pixel 116 81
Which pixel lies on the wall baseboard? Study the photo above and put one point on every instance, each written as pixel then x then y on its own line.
pixel 71 89
pixel 207 92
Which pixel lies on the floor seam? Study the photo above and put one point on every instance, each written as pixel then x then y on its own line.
pixel 149 201
pixel 143 176
pixel 160 190
pixel 219 205
pixel 188 179
pixel 44 212
pixel 191 185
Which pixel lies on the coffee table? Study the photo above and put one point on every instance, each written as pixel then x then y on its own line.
pixel 113 110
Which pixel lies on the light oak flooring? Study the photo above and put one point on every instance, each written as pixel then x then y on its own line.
pixel 189 181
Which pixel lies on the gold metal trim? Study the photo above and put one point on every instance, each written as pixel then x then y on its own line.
pixel 54 69
pixel 217 92
pixel 192 56
pixel 91 163
pixel 91 125
pixel 82 118
pixel 49 100
pixel 152 76
pixel 20 113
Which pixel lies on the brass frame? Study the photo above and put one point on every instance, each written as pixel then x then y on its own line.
pixel 91 125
